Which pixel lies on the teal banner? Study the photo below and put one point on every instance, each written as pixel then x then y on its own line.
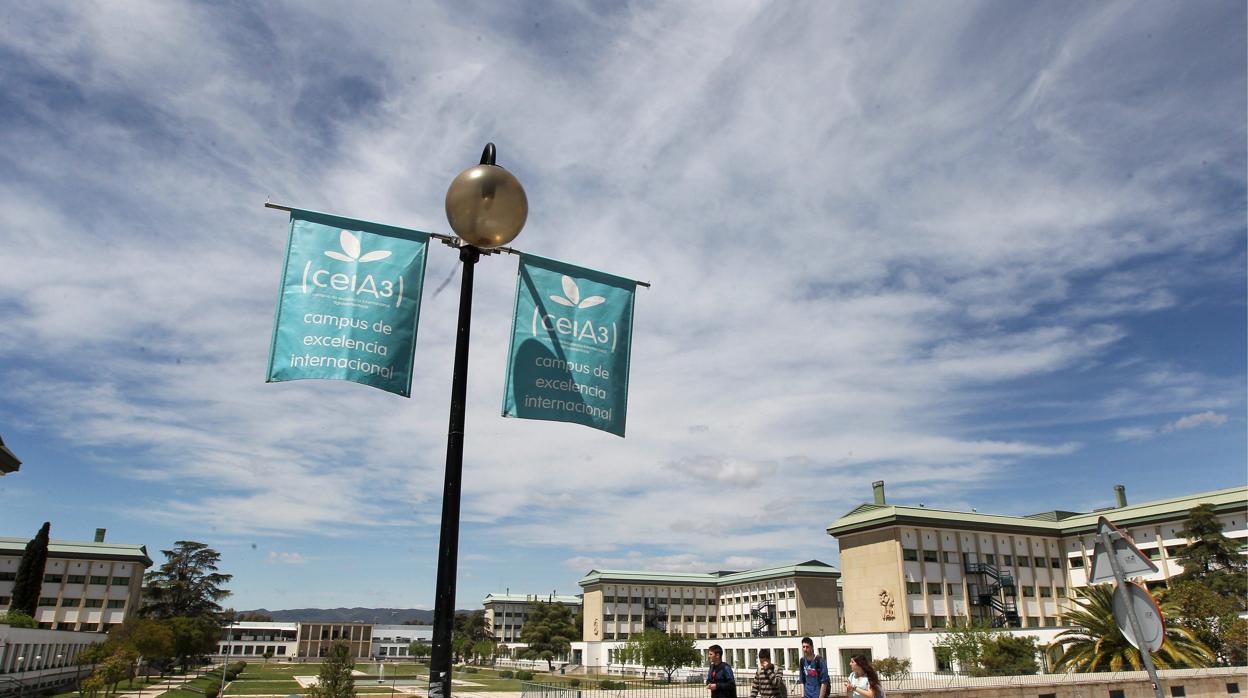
pixel 570 343
pixel 349 302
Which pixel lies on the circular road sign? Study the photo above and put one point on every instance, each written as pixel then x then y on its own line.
pixel 1152 625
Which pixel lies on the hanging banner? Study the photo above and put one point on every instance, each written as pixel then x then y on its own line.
pixel 349 302
pixel 570 341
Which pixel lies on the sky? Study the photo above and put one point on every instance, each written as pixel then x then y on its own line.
pixel 990 253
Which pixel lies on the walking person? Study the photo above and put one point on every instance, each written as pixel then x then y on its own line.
pixel 768 682
pixel 719 679
pixel 812 671
pixel 862 681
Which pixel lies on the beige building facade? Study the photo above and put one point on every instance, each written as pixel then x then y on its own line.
pixel 87 586
pixel 913 568
pixel 507 613
pixel 789 600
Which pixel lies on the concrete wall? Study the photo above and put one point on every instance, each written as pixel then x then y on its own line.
pixel 870 564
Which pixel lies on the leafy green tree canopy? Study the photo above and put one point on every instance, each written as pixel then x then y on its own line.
pixel 18 619
pixel 549 631
pixel 187 584
pixel 29 581
pixel 1213 618
pixel 419 649
pixel 335 679
pixel 1211 558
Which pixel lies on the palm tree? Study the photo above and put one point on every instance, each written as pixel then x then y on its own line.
pixel 1096 643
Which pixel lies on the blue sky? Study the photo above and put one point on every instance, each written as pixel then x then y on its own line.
pixel 991 253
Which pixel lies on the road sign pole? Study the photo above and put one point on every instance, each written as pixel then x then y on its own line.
pixel 1107 541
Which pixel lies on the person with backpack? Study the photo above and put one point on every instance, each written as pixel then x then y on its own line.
pixel 719 679
pixel 812 671
pixel 768 682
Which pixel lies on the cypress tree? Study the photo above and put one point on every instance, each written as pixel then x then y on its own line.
pixel 29 582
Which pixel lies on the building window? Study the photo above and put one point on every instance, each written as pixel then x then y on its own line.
pixel 990 558
pixel 8 576
pixel 930 556
pixel 933 588
pixel 89 627
pixel 954 590
pixel 1055 563
pixel 1024 561
pixel 918 621
pixel 117 603
pixel 1033 622
pixel 98 579
pixel 1076 562
pixel 1178 691
pixel 1007 560
pixel 951 557
pixel 1050 622
pixel 53 578
pixel 909 554
pixel 1039 561
pixel 1232 687
pixel 944 659
pixel 47 601
pixel 914 588
pixel 77 579
pixel 938 621
pixel 1047 695
pixel 1029 592
pixel 1047 593
pixel 93 603
pixel 121 581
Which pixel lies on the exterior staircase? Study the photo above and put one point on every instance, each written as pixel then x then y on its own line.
pixel 993 595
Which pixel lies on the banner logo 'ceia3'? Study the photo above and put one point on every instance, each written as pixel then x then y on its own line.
pixel 580 331
pixel 355 284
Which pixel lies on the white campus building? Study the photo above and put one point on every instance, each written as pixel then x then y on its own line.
pixel 308 639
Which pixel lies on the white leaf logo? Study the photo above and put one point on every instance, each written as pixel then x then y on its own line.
pixel 351 247
pixel 573 294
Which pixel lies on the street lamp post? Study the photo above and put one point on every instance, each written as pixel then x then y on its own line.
pixel 486 207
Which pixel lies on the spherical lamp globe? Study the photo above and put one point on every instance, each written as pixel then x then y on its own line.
pixel 486 205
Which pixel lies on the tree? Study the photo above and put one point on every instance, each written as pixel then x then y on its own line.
pixel 187 584
pixel 335 679
pixel 18 619
pixel 965 642
pixel 1211 558
pixel 1005 654
pixel 670 652
pixel 548 632
pixel 29 582
pixel 893 667
pixel 268 654
pixel 1212 617
pixel 419 649
pixel 150 638
pixel 484 648
pixel 1097 644
pixel 193 637
pixel 634 651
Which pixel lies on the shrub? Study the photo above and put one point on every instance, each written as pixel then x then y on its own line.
pixel 470 670
pixel 524 675
pixel 893 667
pixel 574 683
pixel 505 674
pixel 17 619
pixel 609 685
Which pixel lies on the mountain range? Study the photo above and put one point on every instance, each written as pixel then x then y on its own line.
pixel 378 616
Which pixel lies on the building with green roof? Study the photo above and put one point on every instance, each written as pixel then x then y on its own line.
pixel 913 567
pixel 87 585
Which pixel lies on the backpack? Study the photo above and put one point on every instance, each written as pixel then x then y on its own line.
pixel 782 689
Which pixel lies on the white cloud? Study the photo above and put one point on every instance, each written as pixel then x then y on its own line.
pixel 285 558
pixel 1191 421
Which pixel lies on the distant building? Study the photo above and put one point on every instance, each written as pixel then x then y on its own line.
pixel 294 640
pixel 789 600
pixel 914 568
pixel 87 586
pixel 507 613
pixel 9 463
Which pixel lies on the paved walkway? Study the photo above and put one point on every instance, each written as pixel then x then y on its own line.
pixel 168 684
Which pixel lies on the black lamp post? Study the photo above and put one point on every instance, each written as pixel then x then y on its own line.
pixel 486 208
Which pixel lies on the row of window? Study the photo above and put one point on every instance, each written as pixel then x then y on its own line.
pixel 955 590
pixel 51 602
pixel 100 580
pixel 637 599
pixel 937 622
pixel 912 555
